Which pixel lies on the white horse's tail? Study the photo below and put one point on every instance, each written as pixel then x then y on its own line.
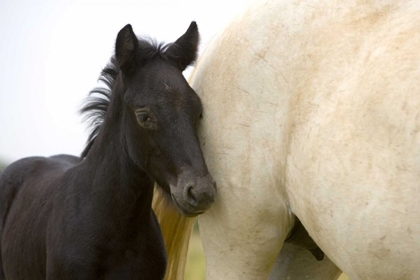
pixel 176 231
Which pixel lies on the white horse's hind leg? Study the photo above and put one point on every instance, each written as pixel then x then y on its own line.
pixel 244 134
pixel 295 263
pixel 242 246
pixel 245 228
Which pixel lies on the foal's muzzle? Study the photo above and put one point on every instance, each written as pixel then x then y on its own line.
pixel 193 195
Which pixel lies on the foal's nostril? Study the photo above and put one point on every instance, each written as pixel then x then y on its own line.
pixel 191 198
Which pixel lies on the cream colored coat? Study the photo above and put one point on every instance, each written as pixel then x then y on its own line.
pixel 312 108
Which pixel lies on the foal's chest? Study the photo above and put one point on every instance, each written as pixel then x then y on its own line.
pixel 136 266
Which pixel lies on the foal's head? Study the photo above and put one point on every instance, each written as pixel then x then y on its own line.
pixel 159 116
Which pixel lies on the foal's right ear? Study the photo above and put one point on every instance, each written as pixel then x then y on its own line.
pixel 126 48
pixel 184 50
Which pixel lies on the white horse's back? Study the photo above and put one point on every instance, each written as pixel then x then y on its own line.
pixel 314 107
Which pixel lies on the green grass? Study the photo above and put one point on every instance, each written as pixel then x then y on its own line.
pixel 196 263
pixel 343 277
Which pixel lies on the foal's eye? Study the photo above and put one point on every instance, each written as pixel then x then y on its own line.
pixel 145 120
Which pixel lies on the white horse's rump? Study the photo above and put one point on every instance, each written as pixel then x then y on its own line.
pixel 313 107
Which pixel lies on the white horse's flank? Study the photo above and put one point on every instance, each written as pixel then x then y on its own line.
pixel 312 108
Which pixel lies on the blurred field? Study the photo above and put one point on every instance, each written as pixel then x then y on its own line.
pixel 196 263
pixel 343 277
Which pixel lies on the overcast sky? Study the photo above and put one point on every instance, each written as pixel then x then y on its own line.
pixel 53 51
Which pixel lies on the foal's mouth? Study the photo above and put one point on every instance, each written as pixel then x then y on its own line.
pixel 185 211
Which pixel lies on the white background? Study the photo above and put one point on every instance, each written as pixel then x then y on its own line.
pixel 52 53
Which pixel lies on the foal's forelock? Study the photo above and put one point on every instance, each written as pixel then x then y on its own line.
pixel 98 101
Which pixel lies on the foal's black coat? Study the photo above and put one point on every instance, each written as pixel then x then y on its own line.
pixel 66 217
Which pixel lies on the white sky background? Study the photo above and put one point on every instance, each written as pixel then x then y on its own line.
pixel 52 52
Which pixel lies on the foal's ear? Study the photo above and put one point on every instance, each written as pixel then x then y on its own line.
pixel 126 48
pixel 184 50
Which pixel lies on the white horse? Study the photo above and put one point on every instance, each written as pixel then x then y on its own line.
pixel 312 110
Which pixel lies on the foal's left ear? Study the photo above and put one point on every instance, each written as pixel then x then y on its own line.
pixel 126 48
pixel 184 50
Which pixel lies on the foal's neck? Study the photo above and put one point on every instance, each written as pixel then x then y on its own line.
pixel 117 177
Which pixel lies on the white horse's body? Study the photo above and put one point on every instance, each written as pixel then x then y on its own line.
pixel 312 108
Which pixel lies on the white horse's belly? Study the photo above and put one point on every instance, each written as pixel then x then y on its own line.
pixel 313 104
pixel 357 193
pixel 354 161
pixel 354 176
